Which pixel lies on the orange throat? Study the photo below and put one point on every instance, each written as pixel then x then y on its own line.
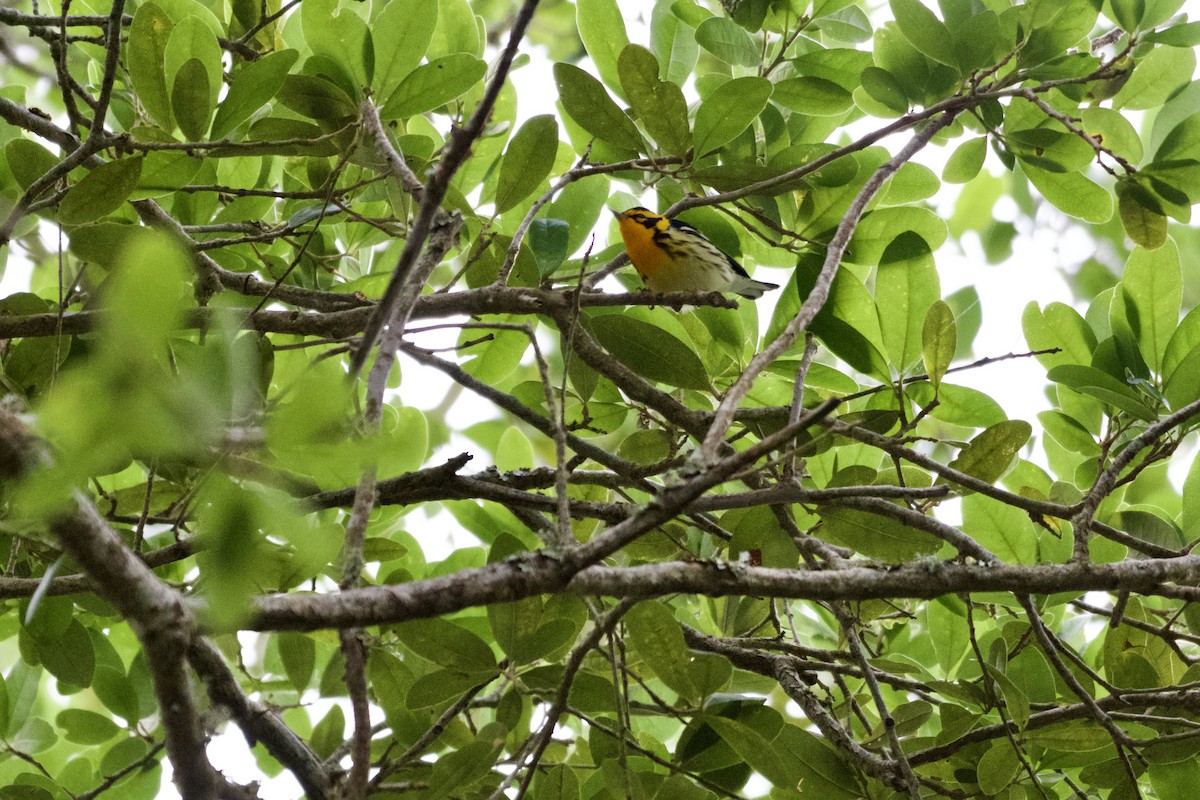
pixel 647 257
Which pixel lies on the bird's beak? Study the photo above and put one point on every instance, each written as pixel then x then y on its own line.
pixel 617 214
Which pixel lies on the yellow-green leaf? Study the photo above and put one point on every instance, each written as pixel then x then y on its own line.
pixel 939 338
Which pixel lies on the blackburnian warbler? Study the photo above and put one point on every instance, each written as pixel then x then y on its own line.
pixel 672 256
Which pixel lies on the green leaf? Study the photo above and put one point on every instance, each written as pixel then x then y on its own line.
pixel 725 328
pixel 456 771
pixel 1104 387
pixel 658 104
pixel 35 736
pixel 979 41
pixel 649 351
pixel 298 652
pixel 814 96
pixel 85 727
pixel 602 30
pixel 1128 13
pixel 556 783
pixel 880 228
pixel 449 645
pixel 28 160
pixel 71 658
pixel 5 715
pixel 513 622
pixel 527 161
pixel 389 679
pixel 906 285
pixel 329 732
pixel 658 640
pixel 728 41
pixel 910 184
pixel 253 87
pixel 457 31
pixel 1015 700
pixel 190 39
pixel 1156 77
pixel 402 31
pixel 115 691
pixel 1183 341
pixel 939 340
pixel 164 172
pixel 580 204
pixel 1175 779
pixel 549 239
pixel 1183 385
pixel 1058 326
pixel 514 451
pixel 1191 500
pixel 1069 433
pixel 316 98
pixel 1182 34
pixel 730 177
pixel 123 754
pixel 1072 193
pixel 439 687
pixel 728 110
pixel 1052 26
pixel 673 42
pixel 587 102
pixel 966 161
pixel 189 99
pixel 1149 526
pixel 883 87
pixel 958 405
pixel 1004 529
pixel 101 192
pixel 1183 142
pixel 874 535
pixel 147 46
pixel 847 324
pixel 1141 215
pixel 338 34
pixel 944 621
pixel 433 85
pixel 1154 281
pixel 991 453
pixel 21 686
pixel 924 31
pixel 646 447
pixel 820 768
pixel 754 749
pixel 1114 130
pixel 495 358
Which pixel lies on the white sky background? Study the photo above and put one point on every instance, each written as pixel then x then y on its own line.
pixel 1033 272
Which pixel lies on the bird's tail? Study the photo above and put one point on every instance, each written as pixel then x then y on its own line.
pixel 748 287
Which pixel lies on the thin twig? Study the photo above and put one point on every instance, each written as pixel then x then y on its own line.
pixel 388 311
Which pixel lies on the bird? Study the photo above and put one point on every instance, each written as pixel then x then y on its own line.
pixel 672 256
